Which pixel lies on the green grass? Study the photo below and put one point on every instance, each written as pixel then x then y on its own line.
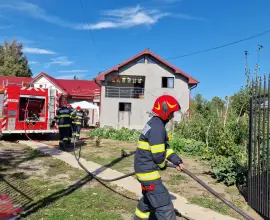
pixel 96 203
pixel 174 178
pixel 216 205
pixel 91 201
pixel 210 203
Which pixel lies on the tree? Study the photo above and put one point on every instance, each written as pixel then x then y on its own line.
pixel 240 101
pixel 12 60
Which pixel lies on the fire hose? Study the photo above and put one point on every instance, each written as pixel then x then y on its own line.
pixel 209 189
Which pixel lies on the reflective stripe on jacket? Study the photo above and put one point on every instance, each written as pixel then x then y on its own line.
pixel 64 117
pixel 152 151
pixel 78 117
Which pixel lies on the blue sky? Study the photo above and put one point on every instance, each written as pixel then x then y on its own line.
pixel 57 39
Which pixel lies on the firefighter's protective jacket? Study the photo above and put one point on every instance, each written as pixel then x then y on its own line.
pixel 152 151
pixel 78 117
pixel 64 117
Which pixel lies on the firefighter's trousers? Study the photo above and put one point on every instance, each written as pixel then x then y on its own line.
pixel 64 136
pixel 156 204
pixel 72 129
pixel 77 131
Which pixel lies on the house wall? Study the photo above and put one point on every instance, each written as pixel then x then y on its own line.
pixel 45 83
pixel 153 72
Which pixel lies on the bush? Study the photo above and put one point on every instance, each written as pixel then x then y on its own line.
pixel 224 130
pixel 231 170
pixel 227 159
pixel 188 146
pixel 123 134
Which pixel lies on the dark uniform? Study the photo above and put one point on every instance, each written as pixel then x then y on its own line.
pixel 151 155
pixel 64 119
pixel 78 119
pixel 72 125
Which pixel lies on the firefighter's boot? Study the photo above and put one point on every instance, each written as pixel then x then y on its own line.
pixel 157 199
pixel 61 146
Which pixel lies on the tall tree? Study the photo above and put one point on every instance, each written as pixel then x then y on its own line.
pixel 12 60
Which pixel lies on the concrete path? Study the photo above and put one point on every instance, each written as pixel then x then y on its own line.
pixel 131 184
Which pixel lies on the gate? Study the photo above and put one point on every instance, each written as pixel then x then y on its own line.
pixel 259 160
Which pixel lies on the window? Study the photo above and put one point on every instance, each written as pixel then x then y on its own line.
pixel 140 60
pixel 124 107
pixel 167 82
pixel 151 61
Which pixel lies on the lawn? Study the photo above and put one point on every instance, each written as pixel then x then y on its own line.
pixel 51 189
pixel 109 150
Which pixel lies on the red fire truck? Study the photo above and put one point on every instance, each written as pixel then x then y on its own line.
pixel 26 109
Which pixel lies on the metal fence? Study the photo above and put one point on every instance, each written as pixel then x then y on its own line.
pixel 124 92
pixel 259 160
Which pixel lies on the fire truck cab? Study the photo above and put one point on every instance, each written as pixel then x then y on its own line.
pixel 25 109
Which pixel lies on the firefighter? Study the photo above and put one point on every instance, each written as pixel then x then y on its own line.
pixel 63 118
pixel 72 125
pixel 151 154
pixel 78 119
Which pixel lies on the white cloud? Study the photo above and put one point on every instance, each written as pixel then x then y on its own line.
pixel 73 71
pixel 34 11
pixel 126 17
pixel 37 50
pixel 62 61
pixel 117 18
pixel 33 62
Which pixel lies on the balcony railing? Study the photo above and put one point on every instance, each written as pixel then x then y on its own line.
pixel 124 92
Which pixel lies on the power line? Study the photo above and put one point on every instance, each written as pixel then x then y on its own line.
pixel 218 47
pixel 214 48
pixel 81 3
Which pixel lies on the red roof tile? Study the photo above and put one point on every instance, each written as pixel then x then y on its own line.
pixel 14 79
pixel 79 87
pixel 75 88
pixel 191 80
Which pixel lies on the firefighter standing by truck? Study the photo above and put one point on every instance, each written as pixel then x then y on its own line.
pixel 72 124
pixel 78 119
pixel 64 120
pixel 151 155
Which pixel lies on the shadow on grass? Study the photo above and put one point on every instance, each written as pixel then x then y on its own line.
pixel 34 207
pixel 18 193
pixel 11 159
pixel 30 206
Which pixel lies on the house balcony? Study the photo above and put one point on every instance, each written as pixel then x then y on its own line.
pixel 124 92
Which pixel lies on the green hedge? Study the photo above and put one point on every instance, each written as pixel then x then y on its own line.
pixel 227 168
pixel 110 133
